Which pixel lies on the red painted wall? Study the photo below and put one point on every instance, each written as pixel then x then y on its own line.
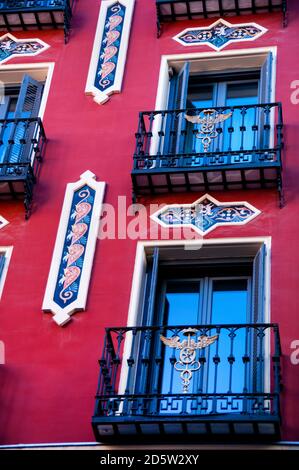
pixel 48 383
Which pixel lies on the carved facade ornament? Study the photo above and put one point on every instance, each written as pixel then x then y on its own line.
pixel 72 260
pixel 188 363
pixel 205 214
pixel 207 120
pixel 109 53
pixel 220 34
pixel 11 47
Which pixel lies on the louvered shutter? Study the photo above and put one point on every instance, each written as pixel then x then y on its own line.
pixel 23 133
pixel 176 124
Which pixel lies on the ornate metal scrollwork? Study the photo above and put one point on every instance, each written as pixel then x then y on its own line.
pixel 187 363
pixel 207 130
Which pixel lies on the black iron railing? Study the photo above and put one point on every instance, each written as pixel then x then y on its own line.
pixel 236 379
pixel 172 10
pixel 22 146
pixel 41 14
pixel 224 139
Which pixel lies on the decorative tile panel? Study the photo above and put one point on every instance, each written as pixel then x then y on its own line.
pixel 110 49
pixel 220 34
pixel 72 260
pixel 11 47
pixel 205 214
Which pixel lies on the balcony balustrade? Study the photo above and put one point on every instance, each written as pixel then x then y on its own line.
pixel 208 382
pixel 237 147
pixel 22 146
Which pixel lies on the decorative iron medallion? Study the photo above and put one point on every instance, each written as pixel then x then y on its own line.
pixel 207 130
pixel 220 34
pixel 205 214
pixel 187 363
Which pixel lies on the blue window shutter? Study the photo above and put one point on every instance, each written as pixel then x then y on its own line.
pixel 258 286
pixel 4 107
pixel 182 87
pixel 27 106
pixel 2 263
pixel 266 80
pixel 4 129
pixel 177 100
pixel 29 98
pixel 265 89
pixel 151 290
pixel 142 344
pixel 258 316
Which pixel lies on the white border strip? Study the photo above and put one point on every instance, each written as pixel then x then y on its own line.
pixel 155 216
pixel 7 250
pixel 90 89
pixel 31 54
pixel 177 38
pixel 62 315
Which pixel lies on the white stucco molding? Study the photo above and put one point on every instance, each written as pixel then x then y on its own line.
pixel 70 271
pixel 109 52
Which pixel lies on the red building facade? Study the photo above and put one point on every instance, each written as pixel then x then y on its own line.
pixel 241 156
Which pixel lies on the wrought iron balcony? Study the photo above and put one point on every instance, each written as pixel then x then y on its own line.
pixel 172 10
pixel 212 381
pixel 36 14
pixel 230 147
pixel 22 145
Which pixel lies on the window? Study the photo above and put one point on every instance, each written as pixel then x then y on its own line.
pixel 233 92
pixel 221 289
pixel 22 135
pixel 21 102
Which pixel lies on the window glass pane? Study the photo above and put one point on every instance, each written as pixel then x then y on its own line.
pixel 229 306
pixel 200 96
pixel 182 303
pixel 12 106
pixel 237 95
pixel 239 91
pixel 229 302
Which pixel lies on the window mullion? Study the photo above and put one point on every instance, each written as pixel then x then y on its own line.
pixel 207 301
